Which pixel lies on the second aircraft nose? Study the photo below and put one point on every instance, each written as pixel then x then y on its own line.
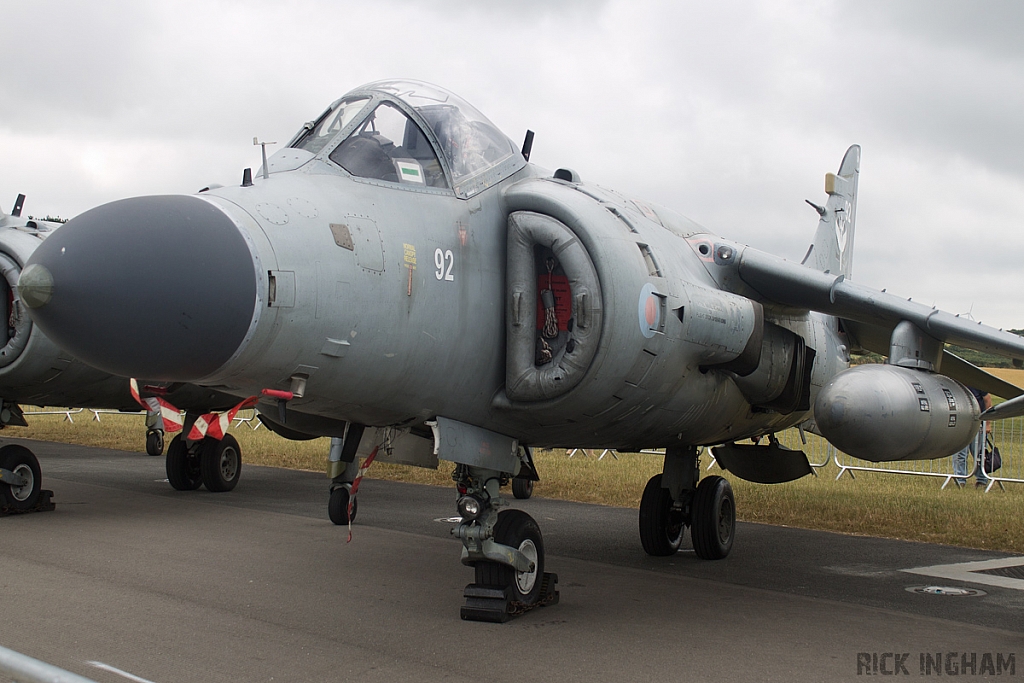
pixel 160 287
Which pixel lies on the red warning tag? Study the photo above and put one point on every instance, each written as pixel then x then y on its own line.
pixel 559 285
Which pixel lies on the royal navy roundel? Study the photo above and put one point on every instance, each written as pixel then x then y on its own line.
pixel 649 311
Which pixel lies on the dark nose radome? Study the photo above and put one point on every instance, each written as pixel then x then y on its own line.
pixel 159 287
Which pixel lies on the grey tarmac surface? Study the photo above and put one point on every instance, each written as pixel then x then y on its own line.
pixel 258 585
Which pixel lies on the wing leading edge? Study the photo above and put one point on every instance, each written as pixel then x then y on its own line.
pixel 872 315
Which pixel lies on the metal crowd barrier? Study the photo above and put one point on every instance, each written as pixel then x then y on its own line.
pixel 586 452
pixel 252 422
pixel 818 451
pixel 66 412
pixel 20 668
pixel 96 413
pixel 1007 435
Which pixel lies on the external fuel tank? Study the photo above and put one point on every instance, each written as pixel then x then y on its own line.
pixel 883 412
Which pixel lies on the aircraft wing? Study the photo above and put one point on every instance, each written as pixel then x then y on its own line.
pixel 876 338
pixel 1012 408
pixel 792 284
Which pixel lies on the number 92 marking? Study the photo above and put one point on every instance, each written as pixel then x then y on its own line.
pixel 440 259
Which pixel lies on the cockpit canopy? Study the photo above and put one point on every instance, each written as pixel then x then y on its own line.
pixel 412 133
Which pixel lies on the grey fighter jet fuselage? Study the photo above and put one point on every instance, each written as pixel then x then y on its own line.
pixel 400 265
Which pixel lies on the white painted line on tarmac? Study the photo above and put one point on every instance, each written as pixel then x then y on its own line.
pixel 970 572
pixel 123 674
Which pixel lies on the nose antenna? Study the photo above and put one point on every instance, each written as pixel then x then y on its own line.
pixel 263 146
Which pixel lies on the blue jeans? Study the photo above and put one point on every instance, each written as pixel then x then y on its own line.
pixel 960 464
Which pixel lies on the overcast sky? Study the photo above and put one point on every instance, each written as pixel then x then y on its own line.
pixel 728 112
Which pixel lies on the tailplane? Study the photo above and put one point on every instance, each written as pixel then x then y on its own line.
pixel 832 248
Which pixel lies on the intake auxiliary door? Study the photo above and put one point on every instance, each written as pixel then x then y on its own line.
pixel 553 308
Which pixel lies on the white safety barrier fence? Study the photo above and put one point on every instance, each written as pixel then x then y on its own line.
pixel 96 413
pixel 249 420
pixel 818 451
pixel 1007 435
pixel 587 452
pixel 20 668
pixel 66 412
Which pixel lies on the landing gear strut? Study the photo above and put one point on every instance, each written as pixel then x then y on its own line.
pixel 674 500
pixel 343 470
pixel 505 549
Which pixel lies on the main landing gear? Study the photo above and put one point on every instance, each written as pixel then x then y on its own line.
pixel 674 500
pixel 208 462
pixel 505 549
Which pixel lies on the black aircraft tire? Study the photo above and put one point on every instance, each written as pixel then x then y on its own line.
pixel 661 527
pixel 21 461
pixel 220 463
pixel 155 442
pixel 337 507
pixel 522 488
pixel 517 529
pixel 714 518
pixel 182 467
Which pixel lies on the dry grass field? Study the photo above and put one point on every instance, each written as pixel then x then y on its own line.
pixel 1011 375
pixel 912 508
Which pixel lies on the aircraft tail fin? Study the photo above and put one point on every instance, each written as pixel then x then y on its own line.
pixel 832 248
pixel 15 212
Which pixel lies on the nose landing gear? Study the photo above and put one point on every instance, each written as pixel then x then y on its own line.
pixel 21 482
pixel 505 549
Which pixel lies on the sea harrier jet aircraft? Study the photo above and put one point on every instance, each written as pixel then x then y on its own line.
pixel 404 279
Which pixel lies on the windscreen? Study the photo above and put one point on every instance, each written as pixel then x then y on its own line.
pixel 329 124
pixel 467 139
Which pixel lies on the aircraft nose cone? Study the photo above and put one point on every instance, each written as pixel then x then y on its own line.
pixel 157 287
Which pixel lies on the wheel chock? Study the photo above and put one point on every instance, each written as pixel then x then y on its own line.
pixel 495 604
pixel 44 504
pixel 487 603
pixel 548 593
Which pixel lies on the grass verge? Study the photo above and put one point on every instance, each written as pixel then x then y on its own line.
pixel 889 506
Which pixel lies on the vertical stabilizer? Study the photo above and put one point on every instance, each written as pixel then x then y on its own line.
pixel 832 248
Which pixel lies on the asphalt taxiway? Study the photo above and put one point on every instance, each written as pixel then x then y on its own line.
pixel 130 580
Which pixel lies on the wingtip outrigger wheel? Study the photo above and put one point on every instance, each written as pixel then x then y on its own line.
pixel 522 488
pixel 155 442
